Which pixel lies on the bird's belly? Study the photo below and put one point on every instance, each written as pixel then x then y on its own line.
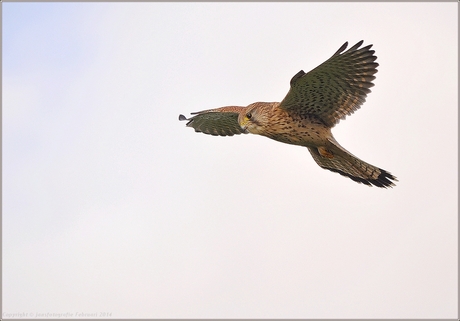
pixel 304 133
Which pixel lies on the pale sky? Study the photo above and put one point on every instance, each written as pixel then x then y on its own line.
pixel 112 207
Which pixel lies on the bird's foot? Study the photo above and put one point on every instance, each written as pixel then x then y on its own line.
pixel 325 153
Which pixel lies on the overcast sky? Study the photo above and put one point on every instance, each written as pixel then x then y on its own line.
pixel 111 206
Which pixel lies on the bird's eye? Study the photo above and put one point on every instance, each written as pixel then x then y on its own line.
pixel 248 115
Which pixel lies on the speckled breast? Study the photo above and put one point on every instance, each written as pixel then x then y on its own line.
pixel 305 130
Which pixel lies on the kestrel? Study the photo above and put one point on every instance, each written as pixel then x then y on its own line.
pixel 315 103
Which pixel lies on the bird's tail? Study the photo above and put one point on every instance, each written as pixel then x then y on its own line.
pixel 337 159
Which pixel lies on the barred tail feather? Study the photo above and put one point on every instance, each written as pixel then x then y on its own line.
pixel 346 164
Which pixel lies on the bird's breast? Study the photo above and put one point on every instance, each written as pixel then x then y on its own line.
pixel 305 131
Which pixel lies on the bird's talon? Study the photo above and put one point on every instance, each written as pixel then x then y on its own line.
pixel 325 153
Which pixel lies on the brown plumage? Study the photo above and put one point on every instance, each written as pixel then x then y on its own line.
pixel 316 101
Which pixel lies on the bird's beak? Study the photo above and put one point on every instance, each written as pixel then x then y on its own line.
pixel 244 126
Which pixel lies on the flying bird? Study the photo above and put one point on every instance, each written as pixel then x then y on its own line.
pixel 315 103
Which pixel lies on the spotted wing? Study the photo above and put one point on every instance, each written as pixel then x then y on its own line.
pixel 336 88
pixel 218 122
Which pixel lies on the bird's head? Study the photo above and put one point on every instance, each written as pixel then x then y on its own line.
pixel 254 119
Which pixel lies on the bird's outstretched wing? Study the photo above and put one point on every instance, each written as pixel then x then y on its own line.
pixel 336 88
pixel 218 122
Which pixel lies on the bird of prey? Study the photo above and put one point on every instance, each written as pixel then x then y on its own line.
pixel 315 103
